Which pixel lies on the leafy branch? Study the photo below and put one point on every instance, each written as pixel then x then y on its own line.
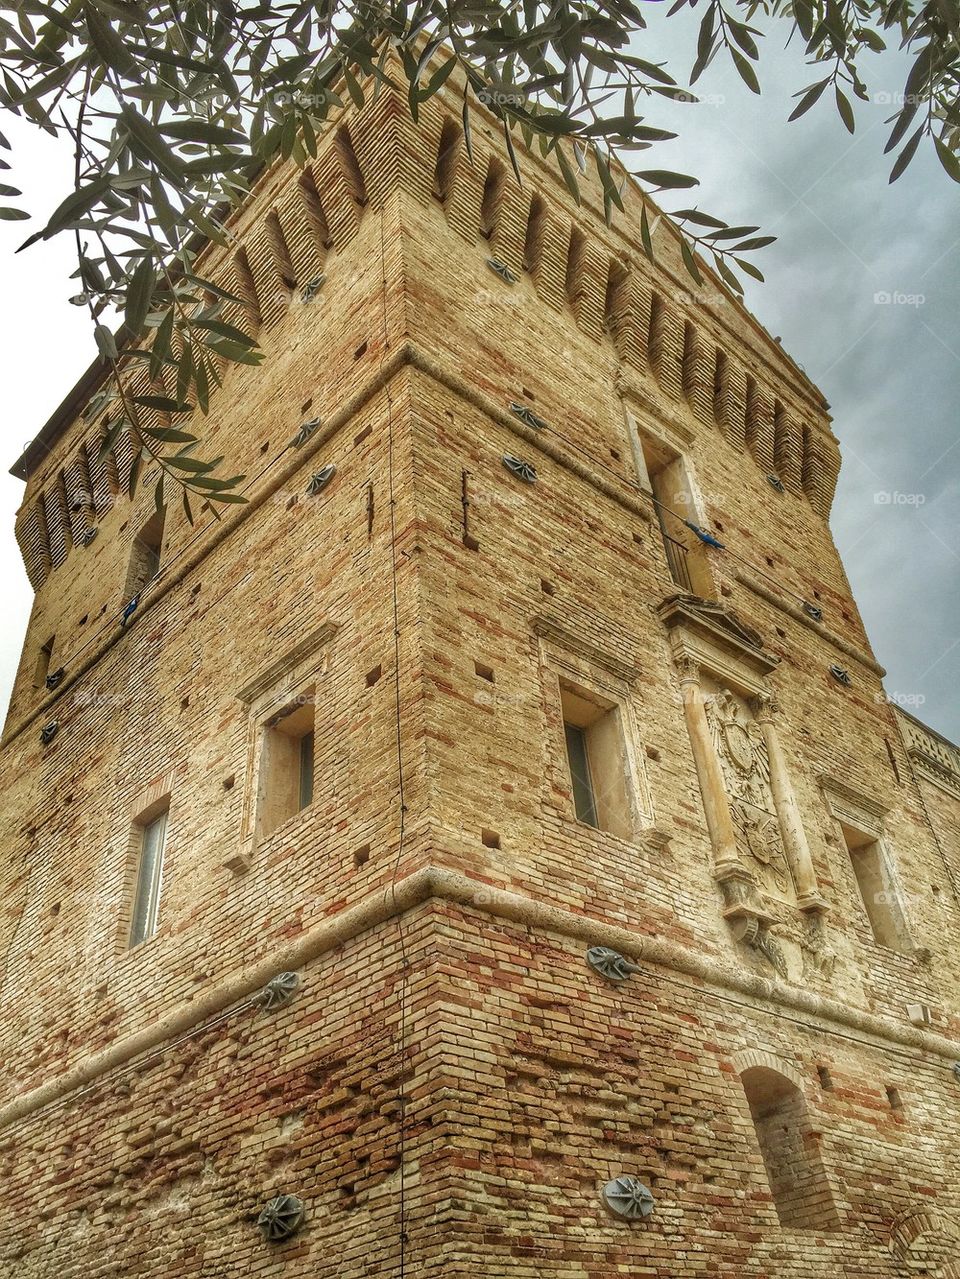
pixel 173 104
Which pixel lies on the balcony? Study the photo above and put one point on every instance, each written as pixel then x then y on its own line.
pixel 676 554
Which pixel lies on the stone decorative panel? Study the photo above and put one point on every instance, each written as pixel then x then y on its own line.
pixel 746 771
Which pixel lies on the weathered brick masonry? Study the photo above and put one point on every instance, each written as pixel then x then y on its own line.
pixel 453 1085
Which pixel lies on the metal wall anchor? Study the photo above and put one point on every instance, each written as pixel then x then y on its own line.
pixel 610 963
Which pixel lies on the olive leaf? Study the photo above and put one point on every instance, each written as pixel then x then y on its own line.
pixel 170 106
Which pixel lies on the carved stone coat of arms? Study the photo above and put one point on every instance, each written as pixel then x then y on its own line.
pixel 740 748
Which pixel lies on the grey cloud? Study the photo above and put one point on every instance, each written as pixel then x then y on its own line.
pixel 890 370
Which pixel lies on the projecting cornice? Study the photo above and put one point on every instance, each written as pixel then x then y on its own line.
pixel 711 635
pixel 765 994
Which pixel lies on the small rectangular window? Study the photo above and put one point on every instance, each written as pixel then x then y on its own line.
pixel 286 764
pixel 146 899
pixel 878 891
pixel 597 761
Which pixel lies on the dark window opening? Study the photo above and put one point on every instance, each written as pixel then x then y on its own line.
pixel 146 900
pixel 306 769
pixel 145 555
pixel 583 799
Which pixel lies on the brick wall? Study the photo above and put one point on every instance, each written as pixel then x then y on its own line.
pixel 446 1005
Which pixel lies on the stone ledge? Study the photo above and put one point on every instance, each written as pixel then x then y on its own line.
pixel 449 885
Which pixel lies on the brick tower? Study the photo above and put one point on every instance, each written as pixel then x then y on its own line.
pixel 457 865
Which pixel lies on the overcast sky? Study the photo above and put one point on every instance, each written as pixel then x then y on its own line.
pixel 890 369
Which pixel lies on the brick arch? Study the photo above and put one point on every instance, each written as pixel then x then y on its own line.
pixel 788 1141
pixel 752 1057
pixel 923 1241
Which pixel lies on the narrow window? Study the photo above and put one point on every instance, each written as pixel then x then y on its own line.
pixel 44 658
pixel 878 891
pixel 597 761
pixel 146 898
pixel 286 764
pixel 145 555
pixel 664 474
pixel 583 800
pixel 791 1155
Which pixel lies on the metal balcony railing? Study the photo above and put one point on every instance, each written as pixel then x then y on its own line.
pixel 676 554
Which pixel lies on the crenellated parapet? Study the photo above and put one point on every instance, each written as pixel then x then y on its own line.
pixel 933 756
pixel 701 352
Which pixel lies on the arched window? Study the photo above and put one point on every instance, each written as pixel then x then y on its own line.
pixel 790 1148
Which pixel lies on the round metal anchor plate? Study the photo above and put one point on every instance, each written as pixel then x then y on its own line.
pixel 610 963
pixel 281 1217
pixel 280 990
pixel 628 1197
